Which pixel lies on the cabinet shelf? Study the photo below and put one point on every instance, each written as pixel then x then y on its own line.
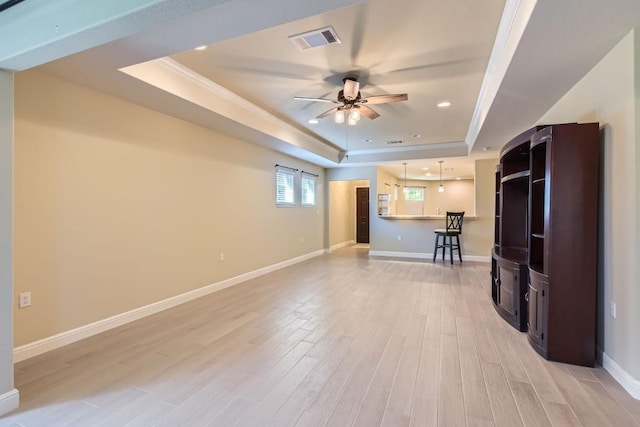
pixel 545 252
pixel 510 255
pixel 563 202
pixel 539 268
pixel 516 176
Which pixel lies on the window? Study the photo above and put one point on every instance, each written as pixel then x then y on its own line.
pixel 414 194
pixel 284 187
pixel 414 200
pixel 308 187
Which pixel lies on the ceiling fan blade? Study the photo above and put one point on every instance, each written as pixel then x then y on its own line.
pixel 327 113
pixel 368 112
pixel 384 99
pixel 351 88
pixel 303 98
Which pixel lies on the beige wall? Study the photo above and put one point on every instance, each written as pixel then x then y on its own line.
pixel 6 265
pixel 342 213
pixel 606 95
pixel 458 196
pixel 482 230
pixel 118 206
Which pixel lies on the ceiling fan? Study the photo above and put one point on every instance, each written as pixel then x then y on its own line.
pixel 353 105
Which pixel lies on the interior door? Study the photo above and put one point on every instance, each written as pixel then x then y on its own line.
pixel 362 215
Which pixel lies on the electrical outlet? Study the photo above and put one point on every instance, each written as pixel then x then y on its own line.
pixel 24 300
pixel 612 309
pixel 221 256
pixel 399 237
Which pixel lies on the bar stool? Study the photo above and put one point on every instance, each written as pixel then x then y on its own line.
pixel 453 229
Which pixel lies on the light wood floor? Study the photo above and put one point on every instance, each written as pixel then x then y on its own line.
pixel 338 340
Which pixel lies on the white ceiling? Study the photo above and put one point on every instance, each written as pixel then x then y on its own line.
pixel 431 49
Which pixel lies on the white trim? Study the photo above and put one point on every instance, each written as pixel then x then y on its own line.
pixel 174 78
pixel 341 245
pixel 50 343
pixel 625 379
pixel 9 401
pixel 515 18
pixel 417 147
pixel 422 255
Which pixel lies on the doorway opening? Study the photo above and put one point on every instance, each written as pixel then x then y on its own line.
pixel 345 226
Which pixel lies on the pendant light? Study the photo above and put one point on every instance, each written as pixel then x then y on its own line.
pixel 441 187
pixel 405 177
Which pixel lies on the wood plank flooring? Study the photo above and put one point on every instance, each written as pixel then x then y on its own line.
pixel 339 340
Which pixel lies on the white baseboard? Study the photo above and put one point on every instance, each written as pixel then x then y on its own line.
pixel 625 379
pixel 9 401
pixel 50 343
pixel 341 245
pixel 422 255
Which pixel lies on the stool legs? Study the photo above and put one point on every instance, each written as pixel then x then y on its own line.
pixel 444 245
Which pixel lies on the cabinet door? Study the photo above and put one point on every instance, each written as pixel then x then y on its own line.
pixel 537 301
pixel 508 279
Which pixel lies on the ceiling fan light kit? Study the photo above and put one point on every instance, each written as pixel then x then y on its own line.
pixel 354 116
pixel 351 89
pixel 353 106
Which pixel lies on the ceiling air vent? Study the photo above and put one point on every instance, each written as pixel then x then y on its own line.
pixel 395 141
pixel 315 38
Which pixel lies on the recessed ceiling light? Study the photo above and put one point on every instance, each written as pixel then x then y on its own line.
pixel 428 174
pixel 368 140
pixel 444 104
pixel 416 135
pixel 458 178
pixel 313 121
pixel 203 47
pixel 425 169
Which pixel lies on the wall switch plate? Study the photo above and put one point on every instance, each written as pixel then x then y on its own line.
pixel 612 309
pixel 399 237
pixel 24 300
pixel 302 240
pixel 221 256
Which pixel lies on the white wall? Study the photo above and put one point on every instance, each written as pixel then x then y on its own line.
pixel 609 94
pixel 8 397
